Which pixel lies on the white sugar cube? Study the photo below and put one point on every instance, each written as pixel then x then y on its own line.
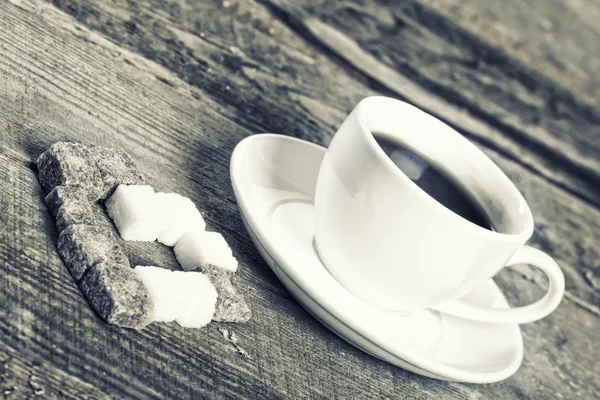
pixel 166 297
pixel 201 299
pixel 180 216
pixel 189 298
pixel 196 248
pixel 133 209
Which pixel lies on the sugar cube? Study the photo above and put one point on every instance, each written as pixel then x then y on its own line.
pixel 168 300
pixel 62 195
pixel 116 167
pixel 231 306
pixel 83 246
pixel 68 164
pixel 75 213
pixel 134 211
pixel 198 247
pixel 201 298
pixel 180 216
pixel 117 295
pixel 188 298
pixel 70 205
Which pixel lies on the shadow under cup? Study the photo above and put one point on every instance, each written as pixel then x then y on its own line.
pixel 409 213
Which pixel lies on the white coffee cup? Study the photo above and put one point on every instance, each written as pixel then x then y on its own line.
pixel 391 244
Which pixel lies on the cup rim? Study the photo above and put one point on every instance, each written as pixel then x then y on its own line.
pixel 524 233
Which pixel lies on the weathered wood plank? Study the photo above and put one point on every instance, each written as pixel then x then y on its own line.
pixel 23 377
pixel 411 52
pixel 557 38
pixel 59 80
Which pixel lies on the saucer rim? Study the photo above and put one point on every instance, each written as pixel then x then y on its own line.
pixel 304 299
pixel 437 368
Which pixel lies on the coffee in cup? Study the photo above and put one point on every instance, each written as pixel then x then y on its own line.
pixel 409 214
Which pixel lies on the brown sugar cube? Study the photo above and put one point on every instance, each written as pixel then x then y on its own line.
pixel 116 167
pixel 231 306
pixel 83 246
pixel 62 195
pixel 117 295
pixel 69 164
pixel 75 213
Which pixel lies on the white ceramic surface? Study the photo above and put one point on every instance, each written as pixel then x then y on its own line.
pixel 397 248
pixel 274 179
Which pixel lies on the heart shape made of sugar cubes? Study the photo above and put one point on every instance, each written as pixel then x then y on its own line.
pixel 75 176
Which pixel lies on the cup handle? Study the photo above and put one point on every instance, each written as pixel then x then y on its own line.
pixel 516 315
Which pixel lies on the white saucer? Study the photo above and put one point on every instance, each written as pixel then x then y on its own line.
pixel 274 177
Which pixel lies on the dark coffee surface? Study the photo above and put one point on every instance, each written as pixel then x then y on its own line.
pixel 434 182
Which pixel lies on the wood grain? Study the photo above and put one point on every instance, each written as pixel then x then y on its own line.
pixel 24 377
pixel 177 85
pixel 553 37
pixel 411 52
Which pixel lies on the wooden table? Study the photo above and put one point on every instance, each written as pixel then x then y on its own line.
pixel 178 83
